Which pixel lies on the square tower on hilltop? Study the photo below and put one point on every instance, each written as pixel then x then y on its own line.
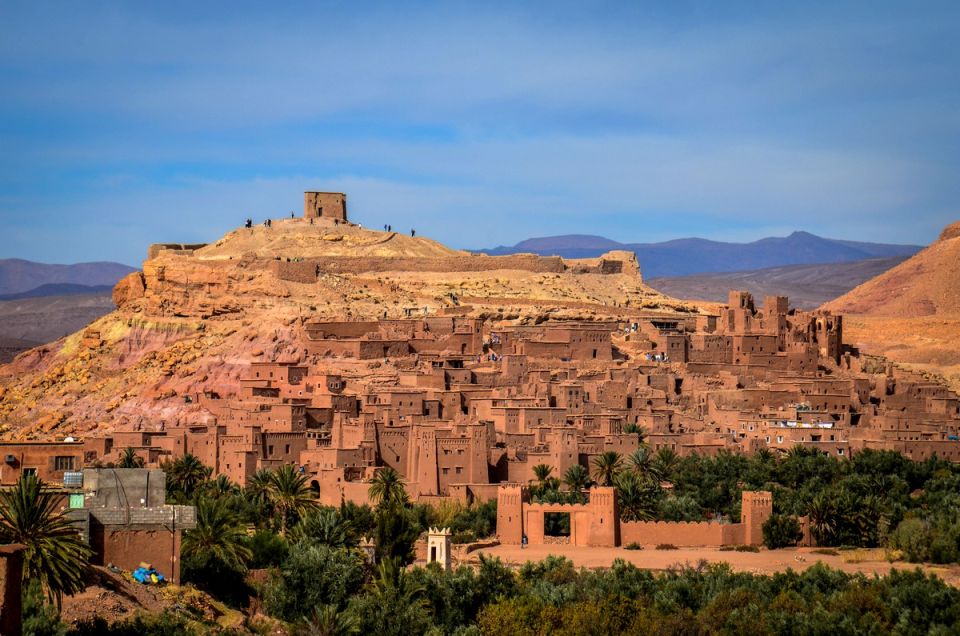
pixel 325 205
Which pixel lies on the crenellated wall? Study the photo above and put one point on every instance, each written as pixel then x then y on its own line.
pixel 597 523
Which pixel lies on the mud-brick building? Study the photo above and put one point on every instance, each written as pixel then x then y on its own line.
pixel 47 460
pixel 126 520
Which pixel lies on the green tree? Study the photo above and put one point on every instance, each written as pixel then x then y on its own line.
pixel 824 519
pixel 641 461
pixel 542 472
pixel 326 620
pixel 130 459
pixel 665 462
pixel 55 553
pixel 40 618
pixel 184 476
pixel 781 531
pixel 577 478
pixel 606 467
pixel 637 498
pixel 312 576
pixel 394 605
pixel 216 552
pixel 218 534
pixel 221 487
pixel 257 496
pixel 324 526
pixel 290 496
pixel 387 488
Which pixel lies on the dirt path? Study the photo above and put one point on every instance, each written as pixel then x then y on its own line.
pixel 763 562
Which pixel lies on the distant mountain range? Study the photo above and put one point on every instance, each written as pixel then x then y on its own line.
pixel 59 289
pixel 683 257
pixel 18 276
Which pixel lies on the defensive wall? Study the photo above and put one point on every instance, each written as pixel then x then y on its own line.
pixel 305 271
pixel 180 249
pixel 597 523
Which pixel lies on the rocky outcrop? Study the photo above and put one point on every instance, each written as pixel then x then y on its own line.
pixel 952 231
pixel 130 288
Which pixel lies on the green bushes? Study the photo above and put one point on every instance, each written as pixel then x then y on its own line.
pixel 781 531
pixel 926 540
pixel 313 575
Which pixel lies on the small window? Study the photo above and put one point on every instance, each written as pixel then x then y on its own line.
pixel 29 471
pixel 62 463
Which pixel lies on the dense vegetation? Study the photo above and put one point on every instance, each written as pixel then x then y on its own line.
pixel 319 581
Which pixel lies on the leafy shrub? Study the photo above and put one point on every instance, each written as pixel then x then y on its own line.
pixel 268 549
pixel 40 618
pixel 633 546
pixel 781 531
pixel 746 548
pixel 666 546
pixel 826 551
pixel 313 575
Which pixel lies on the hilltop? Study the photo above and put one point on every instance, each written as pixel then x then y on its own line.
pixel 911 313
pixel 926 284
pixel 196 315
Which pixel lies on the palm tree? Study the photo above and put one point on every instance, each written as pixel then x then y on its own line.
pixel 324 526
pixel 666 462
pixel 56 554
pixel 218 534
pixel 823 519
pixel 185 474
pixel 641 461
pixel 290 496
pixel 394 584
pixel 577 478
pixel 387 489
pixel 639 430
pixel 541 472
pixel 606 465
pixel 327 621
pixel 258 487
pixel 637 498
pixel 130 459
pixel 221 487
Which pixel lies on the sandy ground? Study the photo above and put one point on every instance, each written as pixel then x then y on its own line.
pixel 763 562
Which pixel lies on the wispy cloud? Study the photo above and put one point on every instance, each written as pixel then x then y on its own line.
pixel 126 124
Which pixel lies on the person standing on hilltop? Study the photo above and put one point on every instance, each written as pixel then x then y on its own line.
pixel 413 232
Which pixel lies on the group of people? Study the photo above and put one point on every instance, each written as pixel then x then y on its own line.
pixel 389 228
pixel 268 223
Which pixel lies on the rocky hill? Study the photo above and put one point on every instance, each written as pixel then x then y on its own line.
pixel 911 313
pixel 926 284
pixel 195 316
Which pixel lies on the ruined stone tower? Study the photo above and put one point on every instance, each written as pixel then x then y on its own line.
pixel 325 205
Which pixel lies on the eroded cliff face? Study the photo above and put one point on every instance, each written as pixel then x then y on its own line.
pixel 191 321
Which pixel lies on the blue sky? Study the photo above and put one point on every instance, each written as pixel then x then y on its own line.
pixel 479 124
